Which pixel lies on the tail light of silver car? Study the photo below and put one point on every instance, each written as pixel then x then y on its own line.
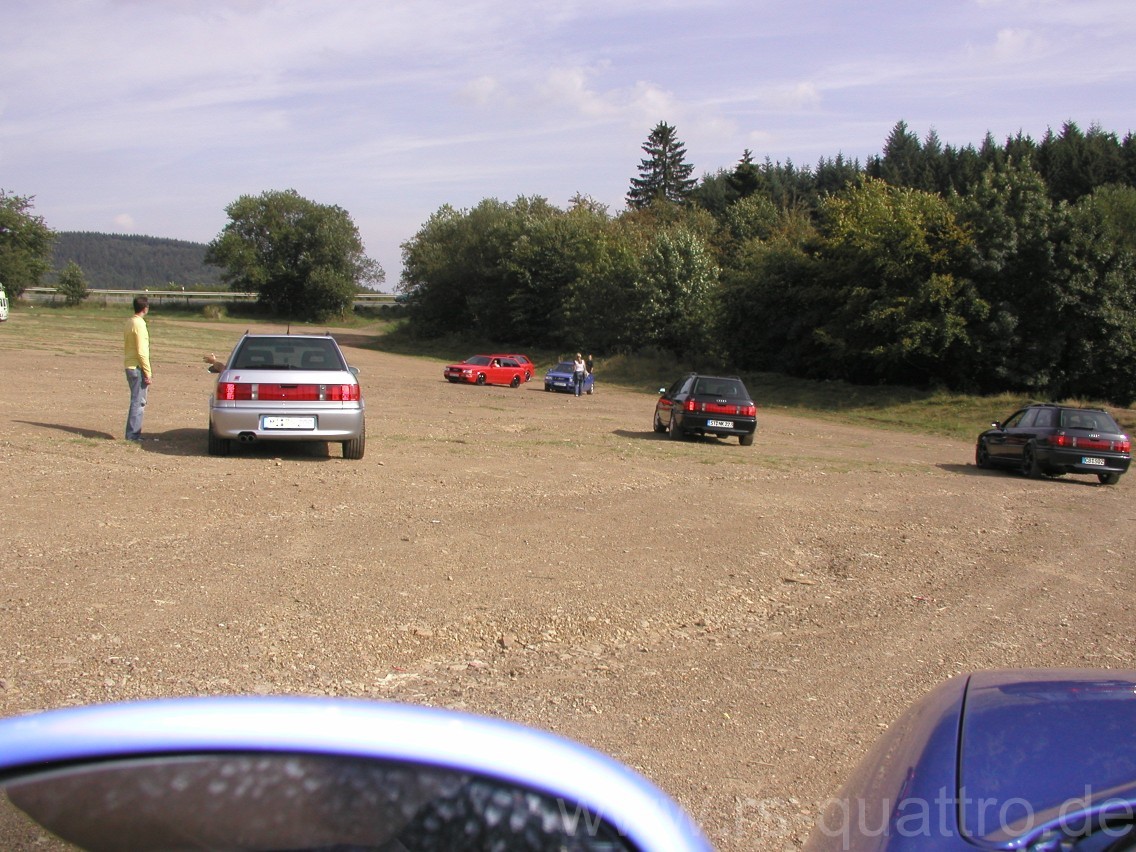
pixel 294 393
pixel 1073 442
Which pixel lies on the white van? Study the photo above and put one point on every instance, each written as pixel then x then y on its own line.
pixel 3 305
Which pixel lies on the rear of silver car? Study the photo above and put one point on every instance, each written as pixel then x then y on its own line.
pixel 287 388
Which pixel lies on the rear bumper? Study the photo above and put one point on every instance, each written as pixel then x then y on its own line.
pixel 338 424
pixel 692 424
pixel 1061 460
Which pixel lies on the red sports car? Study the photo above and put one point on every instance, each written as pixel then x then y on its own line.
pixel 487 370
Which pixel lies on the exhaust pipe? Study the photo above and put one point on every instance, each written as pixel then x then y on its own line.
pixel 246 437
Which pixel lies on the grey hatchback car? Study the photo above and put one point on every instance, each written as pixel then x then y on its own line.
pixel 287 387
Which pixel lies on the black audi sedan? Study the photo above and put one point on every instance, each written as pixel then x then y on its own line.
pixel 1057 439
pixel 707 405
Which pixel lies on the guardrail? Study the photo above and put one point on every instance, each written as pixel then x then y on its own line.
pixel 188 297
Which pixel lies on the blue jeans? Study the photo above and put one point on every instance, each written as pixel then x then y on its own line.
pixel 578 381
pixel 138 389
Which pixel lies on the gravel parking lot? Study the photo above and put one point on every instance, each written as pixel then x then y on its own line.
pixel 738 624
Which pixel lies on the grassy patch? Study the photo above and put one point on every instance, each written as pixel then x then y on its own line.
pixel 932 412
pixel 235 313
pixel 393 337
pixel 175 330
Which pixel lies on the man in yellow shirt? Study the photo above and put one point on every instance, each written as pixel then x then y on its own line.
pixel 136 347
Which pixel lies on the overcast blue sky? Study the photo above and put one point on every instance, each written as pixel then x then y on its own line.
pixel 151 116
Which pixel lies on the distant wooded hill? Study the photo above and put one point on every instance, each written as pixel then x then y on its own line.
pixel 129 262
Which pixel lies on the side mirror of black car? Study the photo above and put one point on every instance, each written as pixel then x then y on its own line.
pixel 662 391
pixel 261 773
pixel 996 425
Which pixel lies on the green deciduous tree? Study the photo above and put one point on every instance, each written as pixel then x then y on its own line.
pixel 25 244
pixel 1116 207
pixel 680 280
pixel 772 295
pixel 1097 310
pixel 517 271
pixel 555 253
pixel 1015 230
pixel 902 310
pixel 605 304
pixel 509 272
pixel 305 260
pixel 437 271
pixel 72 284
pixel 752 217
pixel 664 173
pixel 471 270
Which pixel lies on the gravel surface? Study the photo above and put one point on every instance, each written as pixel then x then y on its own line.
pixel 737 623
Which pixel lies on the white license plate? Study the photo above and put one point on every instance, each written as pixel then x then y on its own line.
pixel 287 423
pixel 720 424
pixel 1091 460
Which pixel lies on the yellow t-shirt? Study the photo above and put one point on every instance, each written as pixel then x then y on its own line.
pixel 136 344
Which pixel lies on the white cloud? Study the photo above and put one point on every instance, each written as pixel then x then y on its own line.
pixel 1017 45
pixel 568 88
pixel 759 138
pixel 649 104
pixel 797 96
pixel 481 91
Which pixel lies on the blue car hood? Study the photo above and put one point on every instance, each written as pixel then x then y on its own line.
pixel 1052 748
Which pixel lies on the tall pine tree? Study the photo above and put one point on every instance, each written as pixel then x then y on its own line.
pixel 664 174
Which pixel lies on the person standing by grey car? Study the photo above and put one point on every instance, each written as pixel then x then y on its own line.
pixel 136 358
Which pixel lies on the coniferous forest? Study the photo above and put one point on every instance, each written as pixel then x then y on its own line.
pixel 128 262
pixel 1000 267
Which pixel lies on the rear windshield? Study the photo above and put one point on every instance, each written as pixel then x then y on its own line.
pixel 721 389
pixel 1094 421
pixel 288 353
